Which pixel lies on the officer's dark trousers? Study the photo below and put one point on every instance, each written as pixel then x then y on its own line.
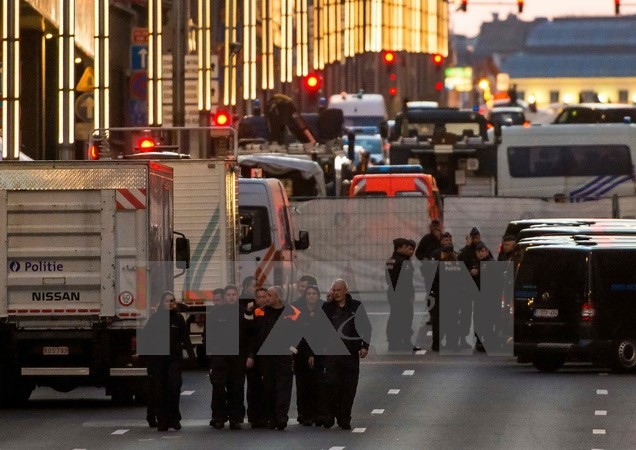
pixel 254 395
pixel 399 326
pixel 167 389
pixel 278 379
pixel 310 388
pixel 227 375
pixel 434 311
pixel 341 374
pixel 151 405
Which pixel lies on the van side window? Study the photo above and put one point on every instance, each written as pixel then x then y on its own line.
pixel 255 232
pixel 569 161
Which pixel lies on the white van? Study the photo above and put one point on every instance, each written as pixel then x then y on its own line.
pixel 267 236
pixel 567 162
pixel 361 111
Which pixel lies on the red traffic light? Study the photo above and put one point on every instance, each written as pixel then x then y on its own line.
pixel 439 86
pixel 221 119
pixel 392 91
pixel 388 57
pixel 464 6
pixel 145 144
pixel 520 5
pixel 438 59
pixel 617 7
pixel 312 82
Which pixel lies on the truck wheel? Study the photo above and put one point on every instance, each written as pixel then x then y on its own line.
pixel 625 354
pixel 548 363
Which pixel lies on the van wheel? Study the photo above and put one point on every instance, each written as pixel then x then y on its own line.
pixel 550 363
pixel 625 354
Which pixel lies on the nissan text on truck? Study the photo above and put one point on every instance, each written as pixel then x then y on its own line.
pixel 87 250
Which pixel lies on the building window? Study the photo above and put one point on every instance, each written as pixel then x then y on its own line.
pixel 554 96
pixel 623 96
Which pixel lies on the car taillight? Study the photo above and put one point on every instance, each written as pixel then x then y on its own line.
pixel 588 311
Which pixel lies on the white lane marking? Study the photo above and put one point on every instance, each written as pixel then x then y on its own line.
pixel 393 391
pixel 170 437
pixel 336 448
pixel 598 431
pixel 358 430
pixel 420 352
pixel 187 393
pixel 119 432
pixel 429 333
pixel 408 373
pixel 377 411
pixel 600 412
pixel 601 392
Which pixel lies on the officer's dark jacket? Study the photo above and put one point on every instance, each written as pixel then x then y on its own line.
pixel 179 336
pixel 308 322
pixel 264 320
pixel 351 321
pixel 221 319
pixel 427 245
pixel 399 276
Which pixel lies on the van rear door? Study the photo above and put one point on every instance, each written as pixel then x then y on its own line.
pixel 550 288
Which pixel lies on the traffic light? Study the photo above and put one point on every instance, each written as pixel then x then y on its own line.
pixel 617 7
pixel 393 91
pixel 520 5
pixel 312 83
pixel 464 6
pixel 221 119
pixel 438 60
pixel 93 152
pixel 439 85
pixel 388 58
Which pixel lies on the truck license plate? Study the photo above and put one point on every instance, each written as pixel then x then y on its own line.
pixel 546 312
pixel 52 351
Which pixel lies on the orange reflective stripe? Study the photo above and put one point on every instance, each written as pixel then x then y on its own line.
pixel 260 312
pixel 294 316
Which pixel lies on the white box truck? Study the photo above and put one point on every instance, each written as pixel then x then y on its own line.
pixel 87 248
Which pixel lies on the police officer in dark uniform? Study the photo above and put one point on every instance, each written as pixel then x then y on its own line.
pixel 227 370
pixel 254 391
pixel 349 317
pixel 276 370
pixel 446 254
pixel 166 369
pixel 401 295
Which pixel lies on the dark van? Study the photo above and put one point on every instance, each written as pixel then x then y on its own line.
pixel 516 226
pixel 623 229
pixel 576 302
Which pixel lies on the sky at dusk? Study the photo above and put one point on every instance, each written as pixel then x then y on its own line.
pixel 468 23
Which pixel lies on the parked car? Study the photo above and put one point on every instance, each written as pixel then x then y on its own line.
pixel 596 113
pixel 507 115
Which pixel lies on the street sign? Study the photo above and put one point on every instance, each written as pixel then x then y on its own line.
pixel 87 81
pixel 85 107
pixel 137 113
pixel 139 36
pixel 139 86
pixel 138 57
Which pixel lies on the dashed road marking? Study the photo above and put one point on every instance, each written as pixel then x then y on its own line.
pixel 119 432
pixel 420 352
pixel 187 393
pixel 377 411
pixel 601 392
pixel 600 412
pixel 358 430
pixel 171 437
pixel 146 439
pixel 408 373
pixel 336 448
pixel 598 431
pixel 393 391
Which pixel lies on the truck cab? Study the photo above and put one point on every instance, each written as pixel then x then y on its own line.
pixel 267 236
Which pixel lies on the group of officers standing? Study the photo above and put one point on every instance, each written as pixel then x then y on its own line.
pixel 236 360
pixel 436 245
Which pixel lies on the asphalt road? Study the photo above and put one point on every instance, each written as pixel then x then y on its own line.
pixel 404 401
